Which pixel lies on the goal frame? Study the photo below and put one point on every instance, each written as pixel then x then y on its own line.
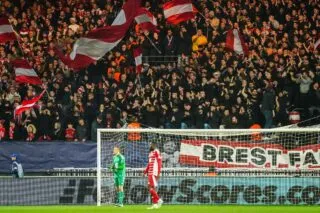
pixel 189 132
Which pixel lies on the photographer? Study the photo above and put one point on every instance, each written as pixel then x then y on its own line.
pixel 16 167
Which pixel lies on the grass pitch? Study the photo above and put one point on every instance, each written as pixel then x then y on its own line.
pixel 164 209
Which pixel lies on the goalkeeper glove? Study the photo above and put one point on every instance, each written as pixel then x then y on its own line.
pixel 112 168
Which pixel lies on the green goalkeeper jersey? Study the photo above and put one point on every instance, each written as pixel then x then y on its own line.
pixel 119 165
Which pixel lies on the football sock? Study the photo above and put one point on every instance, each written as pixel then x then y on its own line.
pixel 154 195
pixel 120 197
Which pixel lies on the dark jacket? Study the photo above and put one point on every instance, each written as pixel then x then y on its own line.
pixel 268 100
pixel 170 45
pixel 176 122
pixel 226 121
pixel 243 120
pixel 200 120
pixel 151 119
pixel 45 124
pixel 185 44
pixel 94 129
pixel 81 132
pixel 214 119
pixel 188 118
pixel 315 98
pixel 57 134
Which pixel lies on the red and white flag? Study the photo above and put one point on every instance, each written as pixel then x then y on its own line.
pixel 25 73
pixel 27 104
pixel 317 44
pixel 235 42
pixel 6 31
pixel 146 20
pixel 195 10
pixel 97 43
pixel 177 11
pixel 137 53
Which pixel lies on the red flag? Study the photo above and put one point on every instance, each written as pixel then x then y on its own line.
pixel 27 104
pixel 146 20
pixel 25 73
pixel 137 53
pixel 195 10
pixel 236 43
pixel 97 43
pixel 6 31
pixel 177 11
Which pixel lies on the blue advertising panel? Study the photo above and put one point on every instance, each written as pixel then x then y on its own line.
pixel 41 156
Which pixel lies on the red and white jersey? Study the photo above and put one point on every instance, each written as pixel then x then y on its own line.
pixel 154 164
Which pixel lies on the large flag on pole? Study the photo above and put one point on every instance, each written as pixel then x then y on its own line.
pixel 235 42
pixel 97 43
pixel 25 73
pixel 137 53
pixel 27 104
pixel 146 20
pixel 6 31
pixel 177 11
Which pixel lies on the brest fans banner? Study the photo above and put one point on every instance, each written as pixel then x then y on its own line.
pixel 224 154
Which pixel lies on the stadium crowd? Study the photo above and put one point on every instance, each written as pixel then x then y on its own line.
pixel 209 88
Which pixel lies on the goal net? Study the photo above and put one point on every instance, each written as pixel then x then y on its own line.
pixel 263 167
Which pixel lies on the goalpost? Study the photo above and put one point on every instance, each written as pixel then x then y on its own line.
pixel 263 167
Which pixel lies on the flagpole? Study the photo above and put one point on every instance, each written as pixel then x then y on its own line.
pixel 204 21
pixel 44 87
pixel 218 6
pixel 46 91
pixel 139 80
pixel 18 40
pixel 153 44
pixel 202 15
pixel 22 52
pixel 19 44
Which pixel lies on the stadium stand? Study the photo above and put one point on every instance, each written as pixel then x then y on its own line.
pixel 189 79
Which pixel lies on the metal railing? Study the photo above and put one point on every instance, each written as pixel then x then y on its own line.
pixel 165 59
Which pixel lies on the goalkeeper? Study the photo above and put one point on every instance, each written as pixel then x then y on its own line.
pixel 118 168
